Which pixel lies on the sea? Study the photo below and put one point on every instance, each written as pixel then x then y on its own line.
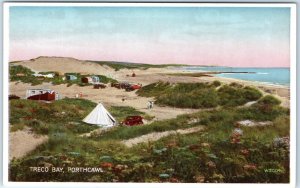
pixel 271 76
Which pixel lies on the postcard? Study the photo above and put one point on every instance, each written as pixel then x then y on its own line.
pixel 149 93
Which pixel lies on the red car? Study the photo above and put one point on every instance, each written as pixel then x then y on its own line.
pixel 136 86
pixel 133 120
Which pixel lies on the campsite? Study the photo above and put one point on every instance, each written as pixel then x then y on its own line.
pixel 166 129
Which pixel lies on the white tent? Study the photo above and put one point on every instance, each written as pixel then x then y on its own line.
pixel 100 116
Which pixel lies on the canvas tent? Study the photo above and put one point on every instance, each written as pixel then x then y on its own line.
pixel 100 116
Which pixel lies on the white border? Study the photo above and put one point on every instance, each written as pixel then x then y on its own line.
pixel 87 184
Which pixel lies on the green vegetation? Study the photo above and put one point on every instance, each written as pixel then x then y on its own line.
pixel 209 156
pixel 235 95
pixel 124 65
pixel 214 155
pixel 60 116
pixel 199 95
pixel 23 74
pixel 124 132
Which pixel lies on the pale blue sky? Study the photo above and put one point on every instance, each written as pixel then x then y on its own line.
pixel 98 26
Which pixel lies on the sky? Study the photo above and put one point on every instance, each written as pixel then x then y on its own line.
pixel 218 36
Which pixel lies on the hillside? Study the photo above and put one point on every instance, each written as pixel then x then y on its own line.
pixel 64 65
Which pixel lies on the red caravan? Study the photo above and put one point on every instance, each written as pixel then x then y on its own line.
pixel 42 94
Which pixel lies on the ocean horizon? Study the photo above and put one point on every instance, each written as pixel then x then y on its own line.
pixel 272 76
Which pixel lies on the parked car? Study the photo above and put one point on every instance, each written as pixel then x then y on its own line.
pixel 99 86
pixel 11 97
pixel 133 87
pixel 136 86
pixel 133 120
pixel 116 85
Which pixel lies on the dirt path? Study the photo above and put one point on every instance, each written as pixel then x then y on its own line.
pixel 158 135
pixel 22 142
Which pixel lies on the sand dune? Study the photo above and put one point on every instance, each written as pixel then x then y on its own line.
pixel 64 65
pixel 22 142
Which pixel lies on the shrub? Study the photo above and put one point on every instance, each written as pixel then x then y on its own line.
pixel 154 89
pixel 16 127
pixel 231 96
pixel 269 100
pixel 236 85
pixel 251 93
pixel 14 70
pixel 38 127
pixel 216 83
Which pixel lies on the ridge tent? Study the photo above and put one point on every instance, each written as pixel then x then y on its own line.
pixel 100 116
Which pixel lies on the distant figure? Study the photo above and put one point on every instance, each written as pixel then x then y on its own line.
pixel 123 99
pixel 80 95
pixel 150 104
pixel 76 96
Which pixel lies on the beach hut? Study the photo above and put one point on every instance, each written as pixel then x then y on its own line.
pixel 71 77
pixel 90 79
pixel 86 80
pixel 42 94
pixel 100 116
pixel 95 79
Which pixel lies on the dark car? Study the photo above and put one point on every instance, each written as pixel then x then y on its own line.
pixel 11 97
pixel 133 120
pixel 99 86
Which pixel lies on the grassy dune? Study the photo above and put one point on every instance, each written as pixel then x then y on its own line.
pixel 200 95
pixel 206 156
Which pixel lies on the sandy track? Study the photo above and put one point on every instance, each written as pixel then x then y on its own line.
pixel 158 135
pixel 22 142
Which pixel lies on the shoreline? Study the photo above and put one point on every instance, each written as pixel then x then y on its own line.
pixel 216 73
pixel 256 83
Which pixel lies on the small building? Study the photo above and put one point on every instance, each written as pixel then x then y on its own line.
pixel 38 75
pixel 50 75
pixel 42 94
pixel 86 80
pixel 71 77
pixel 90 79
